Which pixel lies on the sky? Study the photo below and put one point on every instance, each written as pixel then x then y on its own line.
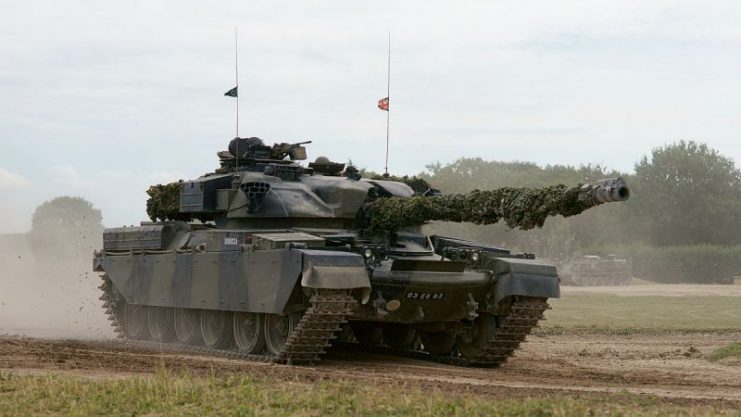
pixel 102 99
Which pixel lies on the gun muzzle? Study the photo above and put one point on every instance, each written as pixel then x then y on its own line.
pixel 605 191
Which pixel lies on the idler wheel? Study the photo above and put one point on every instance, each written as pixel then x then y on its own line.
pixel 248 332
pixel 368 334
pixel 216 328
pixel 484 328
pixel 277 328
pixel 399 335
pixel 438 343
pixel 136 321
pixel 161 322
pixel 187 326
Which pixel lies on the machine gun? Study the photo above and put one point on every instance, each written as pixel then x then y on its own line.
pixel 295 151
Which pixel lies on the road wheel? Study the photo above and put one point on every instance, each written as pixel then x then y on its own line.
pixel 161 323
pixel 484 328
pixel 368 334
pixel 277 328
pixel 248 333
pixel 187 326
pixel 438 343
pixel 399 336
pixel 216 328
pixel 136 321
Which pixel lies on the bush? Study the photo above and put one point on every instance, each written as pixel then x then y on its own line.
pixel 730 352
pixel 698 264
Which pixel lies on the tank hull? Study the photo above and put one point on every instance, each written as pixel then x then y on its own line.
pixel 153 283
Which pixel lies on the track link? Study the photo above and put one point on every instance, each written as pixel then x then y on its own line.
pixel 512 330
pixel 113 305
pixel 320 324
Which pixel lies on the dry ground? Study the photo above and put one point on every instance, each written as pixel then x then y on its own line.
pixel 666 366
pixel 663 360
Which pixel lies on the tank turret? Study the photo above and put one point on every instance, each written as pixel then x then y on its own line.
pixel 268 186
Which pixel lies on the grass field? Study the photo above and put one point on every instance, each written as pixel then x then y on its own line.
pixel 182 395
pixel 606 313
pixel 168 394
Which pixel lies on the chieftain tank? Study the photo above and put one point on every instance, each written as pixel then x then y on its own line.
pixel 267 259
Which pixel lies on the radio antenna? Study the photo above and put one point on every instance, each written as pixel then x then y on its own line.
pixel 236 76
pixel 236 92
pixel 388 109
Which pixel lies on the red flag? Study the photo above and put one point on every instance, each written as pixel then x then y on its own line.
pixel 383 104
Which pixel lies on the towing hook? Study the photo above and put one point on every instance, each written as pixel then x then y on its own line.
pixel 380 305
pixel 473 307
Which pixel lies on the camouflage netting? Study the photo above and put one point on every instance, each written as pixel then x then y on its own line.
pixel 523 208
pixel 419 185
pixel 164 202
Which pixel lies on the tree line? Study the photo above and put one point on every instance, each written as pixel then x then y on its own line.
pixel 684 193
pixel 680 224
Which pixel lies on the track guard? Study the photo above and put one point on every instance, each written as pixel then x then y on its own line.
pixel 524 277
pixel 335 270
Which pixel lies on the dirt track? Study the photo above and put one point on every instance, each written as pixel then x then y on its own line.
pixel 658 290
pixel 669 366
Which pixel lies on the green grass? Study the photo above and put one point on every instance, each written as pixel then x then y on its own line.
pixel 605 313
pixel 166 394
pixel 731 353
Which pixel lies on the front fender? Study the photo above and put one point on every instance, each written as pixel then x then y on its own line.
pixel 335 270
pixel 524 277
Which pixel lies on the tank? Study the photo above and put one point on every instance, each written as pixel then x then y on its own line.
pixel 594 270
pixel 267 259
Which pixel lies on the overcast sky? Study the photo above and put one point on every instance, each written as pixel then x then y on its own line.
pixel 102 99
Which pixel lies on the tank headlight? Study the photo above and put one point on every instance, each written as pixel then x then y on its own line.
pixel 463 254
pixel 474 256
pixel 380 252
pixel 367 253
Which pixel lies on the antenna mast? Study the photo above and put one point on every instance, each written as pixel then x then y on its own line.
pixel 236 81
pixel 236 75
pixel 388 111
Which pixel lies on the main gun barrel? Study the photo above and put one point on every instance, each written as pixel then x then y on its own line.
pixel 519 207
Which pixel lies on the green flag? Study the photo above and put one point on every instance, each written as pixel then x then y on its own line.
pixel 232 92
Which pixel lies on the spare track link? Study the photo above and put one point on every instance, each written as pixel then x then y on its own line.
pixel 319 324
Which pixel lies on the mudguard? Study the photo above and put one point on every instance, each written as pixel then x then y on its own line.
pixel 260 281
pixel 334 270
pixel 524 277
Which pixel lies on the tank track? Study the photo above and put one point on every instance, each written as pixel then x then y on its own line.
pixel 328 311
pixel 322 322
pixel 112 304
pixel 513 328
pixel 319 324
pixel 512 331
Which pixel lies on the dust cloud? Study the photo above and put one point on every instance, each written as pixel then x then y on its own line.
pixel 50 290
